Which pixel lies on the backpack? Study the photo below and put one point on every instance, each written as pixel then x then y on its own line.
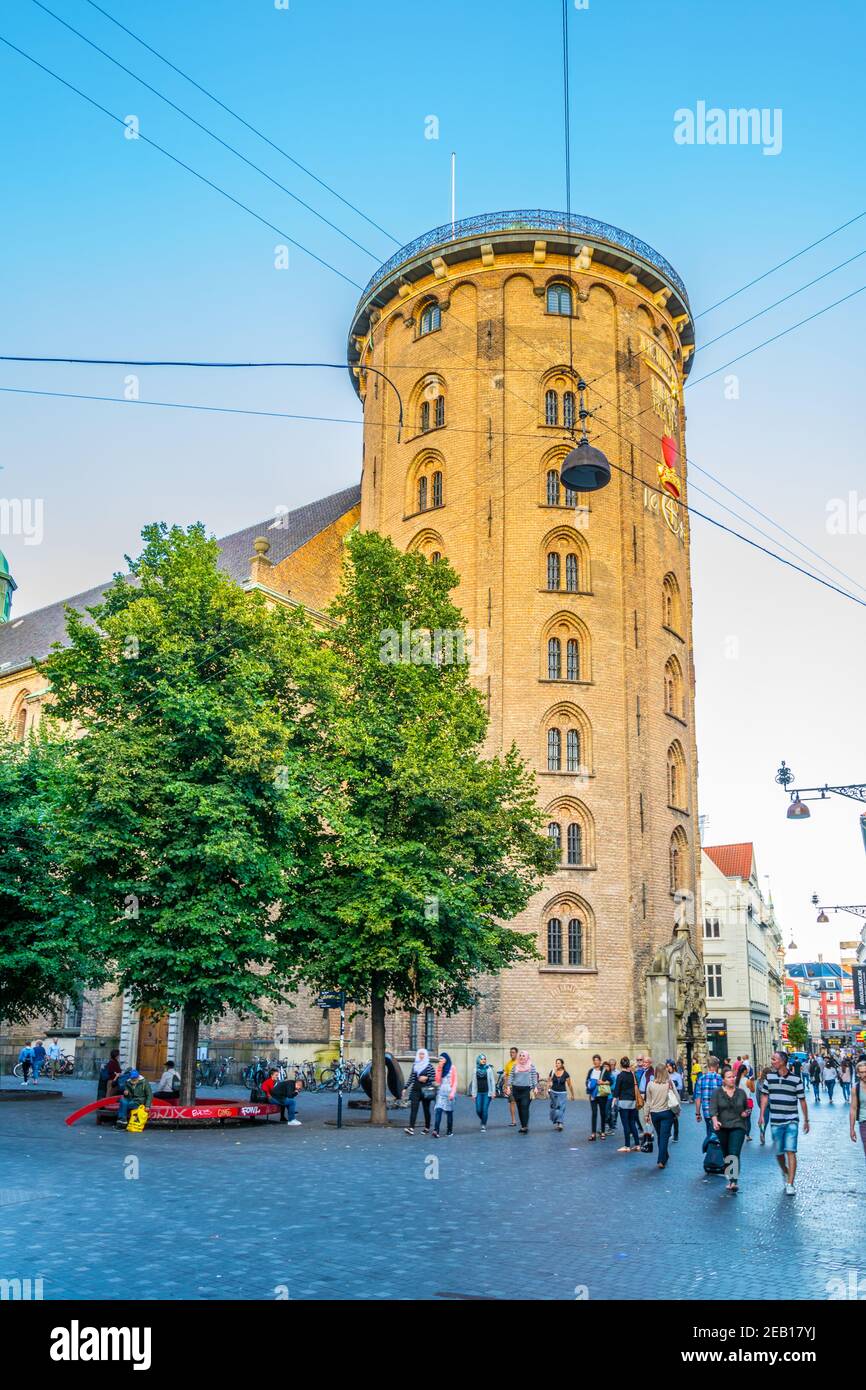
pixel 714 1159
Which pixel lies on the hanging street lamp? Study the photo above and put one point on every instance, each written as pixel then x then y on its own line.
pixel 856 909
pixel 798 810
pixel 585 468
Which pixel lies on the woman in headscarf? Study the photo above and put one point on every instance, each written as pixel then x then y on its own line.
pixel 420 1089
pixel 446 1090
pixel 483 1088
pixel 522 1085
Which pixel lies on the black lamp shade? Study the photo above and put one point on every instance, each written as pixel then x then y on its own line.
pixel 585 469
pixel 798 810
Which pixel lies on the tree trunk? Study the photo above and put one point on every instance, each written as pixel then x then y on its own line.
pixel 379 1109
pixel 188 1058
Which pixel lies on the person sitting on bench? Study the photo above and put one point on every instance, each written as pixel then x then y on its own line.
pixel 136 1092
pixel 169 1083
pixel 285 1095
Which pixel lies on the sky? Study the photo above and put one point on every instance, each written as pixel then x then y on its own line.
pixel 108 248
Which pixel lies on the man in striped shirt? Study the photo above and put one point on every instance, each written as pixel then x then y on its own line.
pixel 780 1095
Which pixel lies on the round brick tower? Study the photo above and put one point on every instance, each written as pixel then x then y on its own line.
pixel 579 606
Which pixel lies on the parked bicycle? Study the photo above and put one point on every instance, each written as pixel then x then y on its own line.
pixel 330 1077
pixel 211 1071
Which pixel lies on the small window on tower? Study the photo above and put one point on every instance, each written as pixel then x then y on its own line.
pixel 559 299
pixel 431 319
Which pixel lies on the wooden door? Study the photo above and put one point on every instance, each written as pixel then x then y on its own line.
pixel 152 1044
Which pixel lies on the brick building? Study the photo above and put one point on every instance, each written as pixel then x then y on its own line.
pixel 579 607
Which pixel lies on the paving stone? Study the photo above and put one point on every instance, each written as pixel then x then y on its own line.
pixel 236 1213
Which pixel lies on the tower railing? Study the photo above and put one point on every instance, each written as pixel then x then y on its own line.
pixel 529 220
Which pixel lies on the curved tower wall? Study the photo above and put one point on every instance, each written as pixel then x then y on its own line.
pixel 624 598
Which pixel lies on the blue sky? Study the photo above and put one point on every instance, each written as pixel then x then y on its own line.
pixel 109 249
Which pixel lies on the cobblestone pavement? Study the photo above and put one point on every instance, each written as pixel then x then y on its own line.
pixel 312 1212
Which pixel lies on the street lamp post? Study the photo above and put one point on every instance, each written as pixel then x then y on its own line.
pixel 798 810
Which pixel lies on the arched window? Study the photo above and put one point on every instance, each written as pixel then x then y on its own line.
pixel 440 411
pixel 571 497
pixel 574 844
pixel 551 408
pixel 554 941
pixel 437 489
pixel 422 494
pixel 671 606
pixel 573 660
pixel 413 1030
pixel 436 555
pixel 21 723
pixel 555 832
pixel 553 570
pixel 554 659
pixel 430 1030
pixel 673 686
pixel 575 941
pixel 677 776
pixel 559 299
pixel 572 750
pixel 431 319
pixel 553 487
pixel 568 410
pixel 554 750
pixel 571 574
pixel 677 866
pixel 425 416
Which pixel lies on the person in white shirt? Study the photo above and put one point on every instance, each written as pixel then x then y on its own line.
pixel 169 1083
pixel 829 1075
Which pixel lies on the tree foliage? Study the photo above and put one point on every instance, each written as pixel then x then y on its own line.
pixel 187 802
pixel 428 845
pixel 48 941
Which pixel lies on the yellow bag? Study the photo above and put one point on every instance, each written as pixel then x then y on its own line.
pixel 137 1120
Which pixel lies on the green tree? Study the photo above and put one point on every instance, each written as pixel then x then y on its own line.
pixel 798 1031
pixel 427 846
pixel 48 944
pixel 187 805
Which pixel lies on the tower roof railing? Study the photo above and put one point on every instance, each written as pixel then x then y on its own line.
pixel 526 219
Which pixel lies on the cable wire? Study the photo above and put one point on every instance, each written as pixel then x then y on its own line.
pixel 211 97
pixel 198 124
pixel 181 164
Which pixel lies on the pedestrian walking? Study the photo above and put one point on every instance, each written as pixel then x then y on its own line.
pixel 830 1075
pixel 662 1099
pixel 782 1093
pixel 598 1090
pixel 482 1087
pixel 729 1111
pixel 523 1085
pixel 762 1126
pixel 446 1090
pixel 745 1081
pixel 39 1057
pixel 558 1093
pixel 708 1081
pixel 628 1100
pixel 421 1089
pixel 613 1068
pixel 815 1078
pixel 506 1084
pixel 25 1057
pixel 845 1078
pixel 676 1077
pixel 858 1104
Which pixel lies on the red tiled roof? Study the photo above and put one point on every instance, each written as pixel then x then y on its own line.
pixel 734 861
